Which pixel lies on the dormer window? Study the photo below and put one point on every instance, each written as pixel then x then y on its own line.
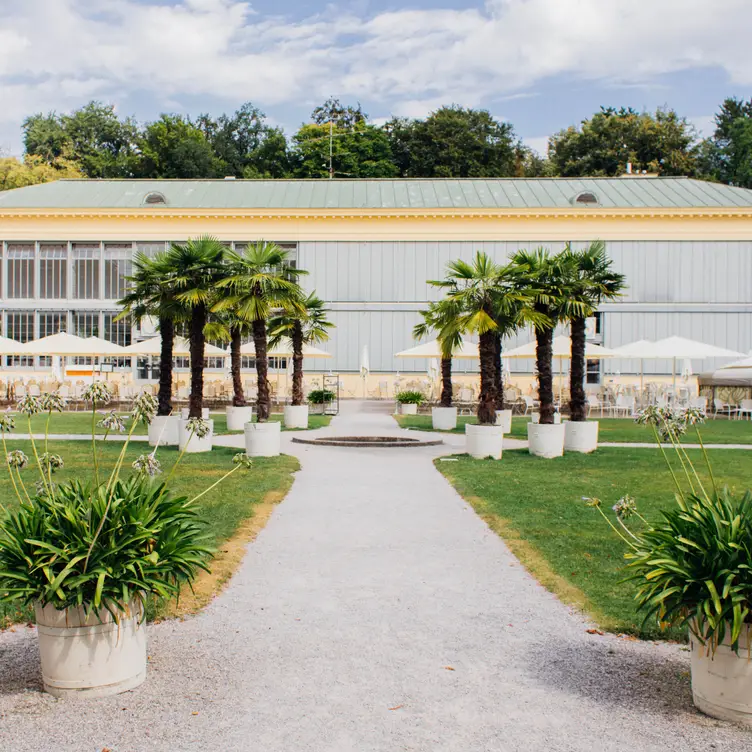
pixel 154 198
pixel 586 198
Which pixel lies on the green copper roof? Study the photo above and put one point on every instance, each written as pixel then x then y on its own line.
pixel 481 193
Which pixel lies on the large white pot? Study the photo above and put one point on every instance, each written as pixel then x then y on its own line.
pixel 185 411
pixel 545 440
pixel 262 439
pixel 722 682
pixel 237 417
pixel 93 656
pixel 164 430
pixel 296 416
pixel 408 409
pixel 581 436
pixel 444 418
pixel 191 443
pixel 504 419
pixel 483 441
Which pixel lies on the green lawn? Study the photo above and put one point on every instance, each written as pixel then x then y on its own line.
pixel 719 431
pixel 536 506
pixel 224 508
pixel 80 423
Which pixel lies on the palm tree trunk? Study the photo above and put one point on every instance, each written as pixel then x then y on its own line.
pixel 446 382
pixel 167 331
pixel 238 397
pixel 498 376
pixel 297 363
pixel 544 350
pixel 198 322
pixel 487 399
pixel 262 370
pixel 577 411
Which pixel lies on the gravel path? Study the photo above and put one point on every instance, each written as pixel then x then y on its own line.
pixel 375 612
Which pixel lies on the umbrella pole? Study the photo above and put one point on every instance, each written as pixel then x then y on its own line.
pixel 642 382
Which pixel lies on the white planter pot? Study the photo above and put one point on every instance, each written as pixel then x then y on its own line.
pixel 237 417
pixel 546 440
pixel 262 439
pixel 184 411
pixel 406 409
pixel 191 443
pixel 95 657
pixel 722 682
pixel 296 416
pixel 164 430
pixel 483 441
pixel 504 419
pixel 581 436
pixel 444 418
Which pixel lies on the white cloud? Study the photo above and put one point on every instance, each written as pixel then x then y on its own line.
pixel 56 53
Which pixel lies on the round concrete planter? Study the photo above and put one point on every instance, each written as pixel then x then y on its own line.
pixel 262 439
pixel 94 656
pixel 408 409
pixel 504 419
pixel 164 430
pixel 184 411
pixel 444 418
pixel 545 440
pixel 296 416
pixel 722 681
pixel 237 417
pixel 581 436
pixel 483 441
pixel 191 443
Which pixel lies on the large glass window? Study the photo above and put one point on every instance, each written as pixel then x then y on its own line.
pixel 19 325
pixel 86 271
pixel 117 266
pixel 51 322
pixel 85 324
pixel 248 362
pixel 118 332
pixel 20 270
pixel 53 271
pixel 150 249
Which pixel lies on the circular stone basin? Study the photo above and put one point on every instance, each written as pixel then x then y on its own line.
pixel 368 441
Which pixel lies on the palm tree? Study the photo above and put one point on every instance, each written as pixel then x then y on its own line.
pixel 593 281
pixel 441 317
pixel 486 294
pixel 260 281
pixel 196 268
pixel 227 325
pixel 304 325
pixel 546 279
pixel 149 294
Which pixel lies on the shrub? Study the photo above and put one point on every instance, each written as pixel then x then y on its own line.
pixel 410 397
pixel 320 396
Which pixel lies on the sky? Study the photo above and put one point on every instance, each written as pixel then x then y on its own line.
pixel 540 64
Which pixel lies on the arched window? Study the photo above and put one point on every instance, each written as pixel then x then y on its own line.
pixel 586 198
pixel 154 198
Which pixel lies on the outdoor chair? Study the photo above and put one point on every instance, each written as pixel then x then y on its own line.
pixel 624 405
pixel 34 390
pixel 594 403
pixel 699 403
pixel 723 408
pixel 529 403
pixel 745 408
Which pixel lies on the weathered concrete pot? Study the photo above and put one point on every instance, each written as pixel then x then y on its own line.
pixel 504 419
pixel 263 439
pixel 722 681
pixel 237 417
pixel 581 436
pixel 444 418
pixel 408 409
pixel 91 657
pixel 545 440
pixel 296 416
pixel 483 441
pixel 192 443
pixel 164 430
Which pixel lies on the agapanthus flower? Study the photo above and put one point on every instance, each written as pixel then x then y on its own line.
pixel 7 423
pixel 199 427
pixel 52 401
pixel 98 391
pixel 147 464
pixel 28 405
pixel 591 502
pixel 112 422
pixel 241 458
pixel 693 416
pixel 17 459
pixel 625 507
pixel 144 408
pixel 51 462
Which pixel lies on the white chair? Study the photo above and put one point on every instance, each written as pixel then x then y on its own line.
pixel 594 403
pixel 34 390
pixel 529 403
pixel 723 408
pixel 745 408
pixel 20 391
pixel 699 403
pixel 625 405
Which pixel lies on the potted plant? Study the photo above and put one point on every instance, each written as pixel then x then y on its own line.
pixel 321 397
pixel 693 567
pixel 86 554
pixel 591 282
pixel 409 400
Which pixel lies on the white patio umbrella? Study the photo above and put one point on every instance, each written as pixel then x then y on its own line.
pixel 284 350
pixel 63 343
pixel 640 349
pixel 12 347
pixel 467 350
pixel 743 363
pixel 106 348
pixel 181 347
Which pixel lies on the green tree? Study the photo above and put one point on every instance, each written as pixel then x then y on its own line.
pixel 195 270
pixel 259 281
pixel 174 147
pixel 592 281
pixel 303 325
pixel 454 142
pixel 33 170
pixel 662 143
pixel 727 156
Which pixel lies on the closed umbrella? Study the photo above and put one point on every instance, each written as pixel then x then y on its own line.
pixel 365 366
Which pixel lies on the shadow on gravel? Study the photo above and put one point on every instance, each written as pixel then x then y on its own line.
pixel 19 666
pixel 630 674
